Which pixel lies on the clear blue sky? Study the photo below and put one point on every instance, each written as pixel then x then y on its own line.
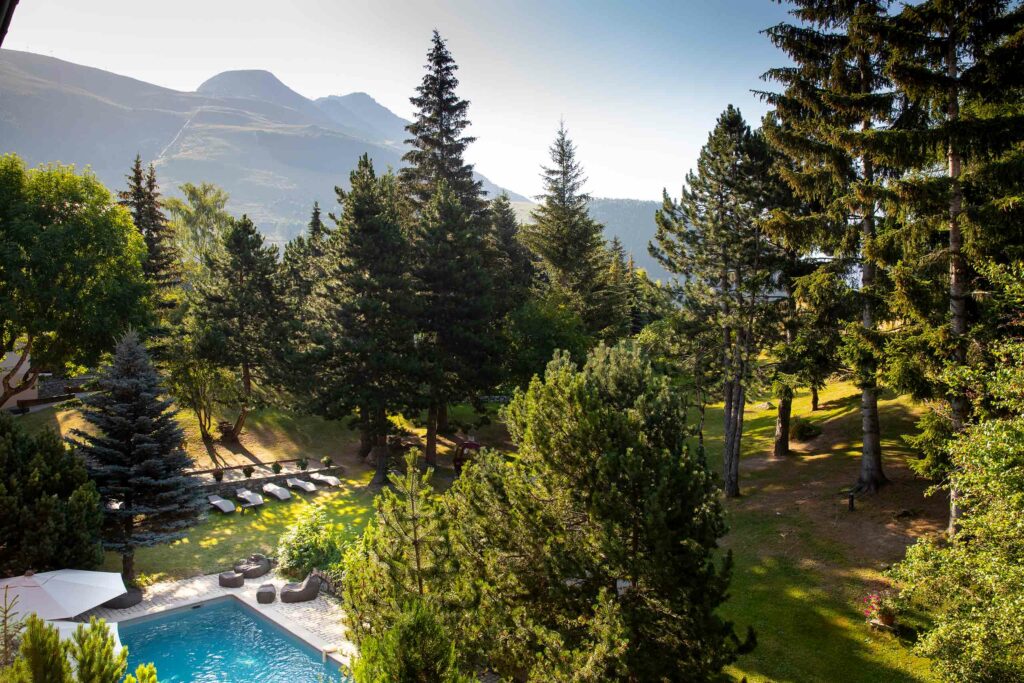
pixel 638 83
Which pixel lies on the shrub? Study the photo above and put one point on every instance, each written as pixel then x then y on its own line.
pixel 218 475
pixel 309 544
pixel 303 463
pixel 801 429
pixel 416 648
pixel 248 470
pixel 327 461
pixel 276 467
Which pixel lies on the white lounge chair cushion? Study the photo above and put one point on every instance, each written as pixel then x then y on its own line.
pixel 277 491
pixel 221 504
pixel 249 497
pixel 306 486
pixel 325 478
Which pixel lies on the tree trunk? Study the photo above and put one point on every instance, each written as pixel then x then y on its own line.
pixel 128 567
pixel 236 430
pixel 959 403
pixel 731 461
pixel 431 451
pixel 442 418
pixel 782 424
pixel 380 455
pixel 871 477
pixel 814 398
pixel 366 441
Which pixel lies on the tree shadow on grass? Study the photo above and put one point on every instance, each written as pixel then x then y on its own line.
pixel 791 611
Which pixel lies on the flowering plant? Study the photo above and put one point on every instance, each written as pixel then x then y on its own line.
pixel 879 607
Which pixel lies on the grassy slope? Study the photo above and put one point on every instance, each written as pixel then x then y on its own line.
pixel 803 562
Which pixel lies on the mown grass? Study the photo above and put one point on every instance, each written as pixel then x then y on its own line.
pixel 216 543
pixel 803 563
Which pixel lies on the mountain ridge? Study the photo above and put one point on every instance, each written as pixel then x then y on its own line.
pixel 273 150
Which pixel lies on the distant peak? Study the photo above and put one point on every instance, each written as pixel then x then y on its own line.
pixel 244 83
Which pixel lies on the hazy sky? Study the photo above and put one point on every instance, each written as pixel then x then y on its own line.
pixel 638 83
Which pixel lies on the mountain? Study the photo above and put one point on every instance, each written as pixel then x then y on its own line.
pixel 631 220
pixel 361 111
pixel 272 149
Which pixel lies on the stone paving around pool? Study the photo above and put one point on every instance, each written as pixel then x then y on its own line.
pixel 318 622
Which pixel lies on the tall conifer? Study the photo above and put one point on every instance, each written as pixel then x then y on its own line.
pixel 362 356
pixel 961 63
pixel 436 136
pixel 713 237
pixel 836 95
pixel 240 309
pixel 456 326
pixel 568 241
pixel 135 456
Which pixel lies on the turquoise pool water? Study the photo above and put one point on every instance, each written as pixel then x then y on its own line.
pixel 222 642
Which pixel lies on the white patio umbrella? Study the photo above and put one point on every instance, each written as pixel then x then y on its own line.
pixel 64 593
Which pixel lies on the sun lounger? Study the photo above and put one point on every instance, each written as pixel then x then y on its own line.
pixel 221 504
pixel 301 592
pixel 301 484
pixel 276 491
pixel 325 479
pixel 251 499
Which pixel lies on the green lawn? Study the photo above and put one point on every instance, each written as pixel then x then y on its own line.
pixel 215 544
pixel 803 562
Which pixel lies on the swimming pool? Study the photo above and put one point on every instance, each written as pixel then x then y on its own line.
pixel 222 642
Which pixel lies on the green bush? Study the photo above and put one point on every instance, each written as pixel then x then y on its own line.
pixel 416 648
pixel 276 467
pixel 803 430
pixel 327 461
pixel 303 463
pixel 309 544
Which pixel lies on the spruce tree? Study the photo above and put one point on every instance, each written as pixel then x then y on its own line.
pixel 361 355
pixel 960 63
pixel 513 264
pixel 457 315
pixel 135 456
pixel 714 238
pixel 836 96
pixel 142 199
pixel 436 136
pixel 239 308
pixel 568 241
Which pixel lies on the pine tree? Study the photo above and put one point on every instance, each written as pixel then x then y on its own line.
pixel 714 238
pixel 401 557
pixel 91 648
pixel 604 523
pixel 960 62
pixel 836 95
pixel 457 321
pixel 50 513
pixel 43 657
pixel 240 309
pixel 567 240
pixel 135 456
pixel 362 355
pixel 436 137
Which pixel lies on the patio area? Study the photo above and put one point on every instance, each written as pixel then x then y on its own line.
pixel 317 622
